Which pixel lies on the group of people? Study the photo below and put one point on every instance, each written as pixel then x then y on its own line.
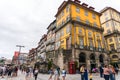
pixel 107 72
pixel 30 72
pixel 56 73
pixel 8 71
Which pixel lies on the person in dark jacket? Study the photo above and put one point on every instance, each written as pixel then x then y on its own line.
pixel 35 72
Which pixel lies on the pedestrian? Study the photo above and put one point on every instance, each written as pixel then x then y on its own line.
pixel 1 71
pixel 10 71
pixel 63 74
pixel 16 70
pixel 90 76
pixel 82 71
pixel 31 71
pixel 51 73
pixel 86 74
pixel 57 74
pixel 112 72
pixel 106 72
pixel 35 72
pixel 101 71
pixel 27 73
pixel 116 70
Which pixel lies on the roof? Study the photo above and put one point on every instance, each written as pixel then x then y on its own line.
pixel 106 8
pixel 65 3
pixel 51 24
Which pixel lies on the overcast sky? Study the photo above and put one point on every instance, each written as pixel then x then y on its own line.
pixel 23 22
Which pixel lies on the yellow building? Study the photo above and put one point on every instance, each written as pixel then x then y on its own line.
pixel 110 21
pixel 79 35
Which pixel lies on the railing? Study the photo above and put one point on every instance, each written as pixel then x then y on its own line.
pixel 83 22
pixel 87 23
pixel 112 32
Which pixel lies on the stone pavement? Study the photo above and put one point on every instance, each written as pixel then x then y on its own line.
pixel 74 77
pixel 21 76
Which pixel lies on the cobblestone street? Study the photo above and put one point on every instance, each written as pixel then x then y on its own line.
pixel 46 76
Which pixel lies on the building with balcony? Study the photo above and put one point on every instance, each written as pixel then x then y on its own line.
pixel 50 43
pixel 110 21
pixel 32 57
pixel 79 36
pixel 41 49
pixel 23 58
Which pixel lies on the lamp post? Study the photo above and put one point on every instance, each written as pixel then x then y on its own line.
pixel 20 46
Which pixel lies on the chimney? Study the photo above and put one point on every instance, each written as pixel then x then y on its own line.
pixel 77 1
pixel 91 8
pixel 84 4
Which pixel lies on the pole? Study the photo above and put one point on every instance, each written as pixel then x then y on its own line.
pixel 20 46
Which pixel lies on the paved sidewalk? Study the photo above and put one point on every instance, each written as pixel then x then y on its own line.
pixel 73 77
pixel 21 76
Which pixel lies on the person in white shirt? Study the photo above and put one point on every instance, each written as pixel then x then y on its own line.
pixel 63 74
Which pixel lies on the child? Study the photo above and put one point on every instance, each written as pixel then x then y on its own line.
pixel 90 76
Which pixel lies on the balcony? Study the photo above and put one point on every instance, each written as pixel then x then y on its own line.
pixel 63 24
pixel 81 22
pixel 89 25
pixel 114 32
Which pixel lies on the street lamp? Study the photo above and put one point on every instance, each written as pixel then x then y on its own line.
pixel 20 46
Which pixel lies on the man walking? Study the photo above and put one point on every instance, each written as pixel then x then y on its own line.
pixel 82 71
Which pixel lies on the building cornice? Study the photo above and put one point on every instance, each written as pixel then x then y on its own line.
pixel 65 3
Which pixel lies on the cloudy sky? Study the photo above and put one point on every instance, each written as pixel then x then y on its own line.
pixel 23 22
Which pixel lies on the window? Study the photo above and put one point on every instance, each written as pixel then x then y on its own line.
pixel 110 40
pixel 77 9
pixel 107 24
pixel 81 43
pixel 67 8
pixel 95 25
pixel 62 13
pixel 99 44
pixel 106 18
pixel 57 44
pixel 93 16
pixel 108 31
pixel 63 22
pixel 97 35
pixel 62 32
pixel 86 13
pixel 80 31
pixel 89 34
pixel 91 44
pixel 68 43
pixel 87 22
pixel 105 13
pixel 78 18
pixel 57 36
pixel 68 18
pixel 67 29
pixel 112 47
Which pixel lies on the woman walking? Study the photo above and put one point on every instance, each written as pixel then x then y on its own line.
pixel 63 74
pixel 112 72
pixel 106 72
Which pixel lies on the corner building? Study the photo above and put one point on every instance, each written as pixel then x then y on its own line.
pixel 110 21
pixel 79 36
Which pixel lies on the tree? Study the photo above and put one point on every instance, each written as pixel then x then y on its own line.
pixel 50 64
